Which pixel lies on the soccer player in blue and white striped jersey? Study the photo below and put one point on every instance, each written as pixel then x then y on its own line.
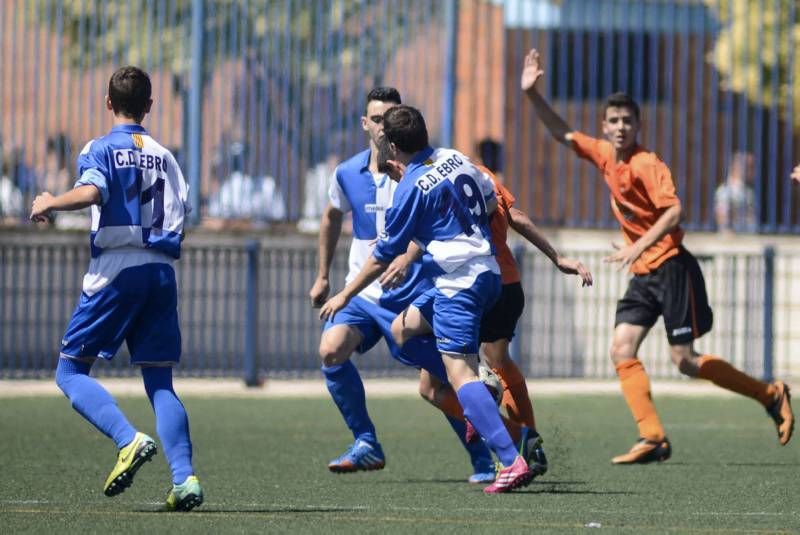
pixel 442 203
pixel 359 188
pixel 139 201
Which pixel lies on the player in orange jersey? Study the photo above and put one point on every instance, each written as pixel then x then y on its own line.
pixel 667 280
pixel 498 326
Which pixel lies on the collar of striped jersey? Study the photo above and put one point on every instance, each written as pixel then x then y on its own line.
pixel 129 128
pixel 365 161
pixel 419 159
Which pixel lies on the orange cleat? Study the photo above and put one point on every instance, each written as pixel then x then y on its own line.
pixel 645 451
pixel 781 412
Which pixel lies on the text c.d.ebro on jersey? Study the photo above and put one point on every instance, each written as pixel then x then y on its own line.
pixel 429 180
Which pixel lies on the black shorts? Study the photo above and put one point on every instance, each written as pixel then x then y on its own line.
pixel 675 290
pixel 501 321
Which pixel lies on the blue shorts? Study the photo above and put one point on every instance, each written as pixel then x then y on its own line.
pixel 140 307
pixel 375 322
pixel 456 320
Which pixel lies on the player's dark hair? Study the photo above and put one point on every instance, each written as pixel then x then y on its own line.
pixel 622 100
pixel 405 127
pixel 129 90
pixel 383 94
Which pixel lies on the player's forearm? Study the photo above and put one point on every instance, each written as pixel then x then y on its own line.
pixel 519 221
pixel 76 199
pixel 557 127
pixel 414 252
pixel 330 229
pixel 670 219
pixel 369 273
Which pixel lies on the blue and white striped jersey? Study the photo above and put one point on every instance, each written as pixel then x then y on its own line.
pixel 441 204
pixel 355 189
pixel 144 200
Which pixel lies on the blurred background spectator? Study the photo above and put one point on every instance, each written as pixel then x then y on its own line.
pixel 11 200
pixel 315 187
pixel 734 200
pixel 490 155
pixel 241 201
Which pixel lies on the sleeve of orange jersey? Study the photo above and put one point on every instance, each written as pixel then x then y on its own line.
pixel 589 148
pixel 660 186
pixel 502 192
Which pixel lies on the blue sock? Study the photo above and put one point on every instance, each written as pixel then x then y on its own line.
pixel 480 409
pixel 172 423
pixel 347 390
pixel 92 401
pixel 479 454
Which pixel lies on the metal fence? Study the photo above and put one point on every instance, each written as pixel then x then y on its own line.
pixel 276 89
pixel 245 312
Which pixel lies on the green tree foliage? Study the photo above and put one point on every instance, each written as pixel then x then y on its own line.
pixel 757 51
pixel 139 31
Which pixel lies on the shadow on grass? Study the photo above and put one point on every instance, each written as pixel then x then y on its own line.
pixel 723 464
pixel 451 481
pixel 259 510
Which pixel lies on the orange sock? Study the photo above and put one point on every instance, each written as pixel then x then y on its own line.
pixel 636 390
pixel 448 403
pixel 515 394
pixel 722 374
pixel 513 428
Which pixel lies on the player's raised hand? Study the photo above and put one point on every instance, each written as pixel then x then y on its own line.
pixel 319 291
pixel 625 256
pixel 332 306
pixel 41 208
pixel 796 174
pixel 531 70
pixel 574 267
pixel 396 273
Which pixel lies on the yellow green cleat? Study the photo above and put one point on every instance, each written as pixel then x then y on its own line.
pixel 186 496
pixel 130 459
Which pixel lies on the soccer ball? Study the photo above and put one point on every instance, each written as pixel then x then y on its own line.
pixel 492 382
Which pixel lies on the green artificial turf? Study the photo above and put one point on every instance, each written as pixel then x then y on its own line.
pixel 262 465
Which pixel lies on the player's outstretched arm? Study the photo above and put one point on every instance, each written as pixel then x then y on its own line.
pixel 625 256
pixel 370 272
pixel 330 229
pixel 519 221
pixel 75 199
pixel 796 174
pixel 531 72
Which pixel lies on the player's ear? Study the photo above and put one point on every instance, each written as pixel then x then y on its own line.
pixel 148 105
pixel 109 107
pixel 364 124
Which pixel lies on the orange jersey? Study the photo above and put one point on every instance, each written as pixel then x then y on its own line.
pixel 641 190
pixel 498 224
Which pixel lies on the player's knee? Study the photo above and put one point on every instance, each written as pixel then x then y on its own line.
pixel 427 391
pixel 399 332
pixel 621 351
pixel 331 355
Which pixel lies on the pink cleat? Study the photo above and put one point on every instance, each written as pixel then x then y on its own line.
pixel 512 477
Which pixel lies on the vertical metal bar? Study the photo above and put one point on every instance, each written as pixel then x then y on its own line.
pixel 195 109
pixel 449 93
pixel 769 296
pixel 699 90
pixel 517 342
pixel 788 138
pixel 3 299
pixel 251 316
